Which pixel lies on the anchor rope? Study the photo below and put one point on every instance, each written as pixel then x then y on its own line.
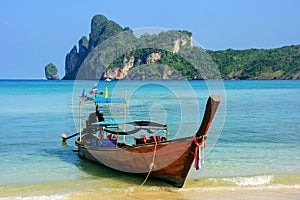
pixel 150 167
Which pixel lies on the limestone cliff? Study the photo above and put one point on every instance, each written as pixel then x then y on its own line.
pixel 83 47
pixel 120 72
pixel 184 41
pixel 71 64
pixel 101 29
pixel 153 58
pixel 95 66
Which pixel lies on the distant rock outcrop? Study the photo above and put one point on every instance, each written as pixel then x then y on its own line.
pixel 71 64
pixel 51 72
pixel 101 29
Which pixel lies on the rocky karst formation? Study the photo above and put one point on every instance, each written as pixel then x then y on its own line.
pixel 101 29
pixel 51 72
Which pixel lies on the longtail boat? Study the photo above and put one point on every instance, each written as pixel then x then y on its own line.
pixel 142 147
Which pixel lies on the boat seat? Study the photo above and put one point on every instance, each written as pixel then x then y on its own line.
pixel 95 142
pixel 112 137
pixel 155 139
pixel 141 140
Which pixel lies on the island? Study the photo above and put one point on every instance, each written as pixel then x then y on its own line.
pixel 51 72
pixel 170 62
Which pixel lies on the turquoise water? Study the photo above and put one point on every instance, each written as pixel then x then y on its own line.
pixel 254 140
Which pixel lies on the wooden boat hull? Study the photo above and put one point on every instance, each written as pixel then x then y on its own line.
pixel 168 160
pixel 172 159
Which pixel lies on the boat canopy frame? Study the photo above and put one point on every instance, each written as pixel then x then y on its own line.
pixel 138 126
pixel 98 100
pixel 150 126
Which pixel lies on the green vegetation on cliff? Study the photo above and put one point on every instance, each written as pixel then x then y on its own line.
pixel 170 55
pixel 279 63
pixel 102 29
pixel 51 72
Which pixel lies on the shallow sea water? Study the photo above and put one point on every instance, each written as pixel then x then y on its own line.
pixel 253 145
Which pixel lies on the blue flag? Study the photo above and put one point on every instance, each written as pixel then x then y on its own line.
pixel 83 93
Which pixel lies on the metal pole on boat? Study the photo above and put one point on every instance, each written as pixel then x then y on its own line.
pixel 167 133
pixel 124 115
pixel 80 119
pixel 124 118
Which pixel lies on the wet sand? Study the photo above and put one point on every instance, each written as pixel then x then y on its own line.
pixel 274 194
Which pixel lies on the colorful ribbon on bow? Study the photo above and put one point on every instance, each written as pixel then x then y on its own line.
pixel 197 155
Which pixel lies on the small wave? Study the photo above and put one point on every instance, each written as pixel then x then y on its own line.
pixel 239 188
pixel 42 197
pixel 250 181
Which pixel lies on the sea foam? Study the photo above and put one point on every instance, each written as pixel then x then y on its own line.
pixel 251 181
pixel 41 197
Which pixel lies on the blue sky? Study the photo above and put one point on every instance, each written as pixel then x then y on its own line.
pixel 34 33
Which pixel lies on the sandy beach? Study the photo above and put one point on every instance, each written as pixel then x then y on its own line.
pixel 274 194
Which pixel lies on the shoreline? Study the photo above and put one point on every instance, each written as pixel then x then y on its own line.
pixel 272 187
pixel 221 193
pixel 102 80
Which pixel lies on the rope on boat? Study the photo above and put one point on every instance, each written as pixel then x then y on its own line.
pixel 150 166
pixel 202 150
